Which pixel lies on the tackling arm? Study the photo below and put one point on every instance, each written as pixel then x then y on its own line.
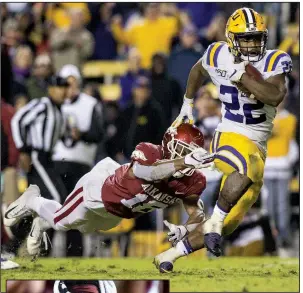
pixel 271 91
pixel 196 217
pixel 195 213
pixel 163 169
pixel 159 170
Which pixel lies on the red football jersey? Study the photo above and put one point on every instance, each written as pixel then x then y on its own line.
pixel 127 197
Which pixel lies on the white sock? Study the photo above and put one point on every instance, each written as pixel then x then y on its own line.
pixel 45 208
pixel 183 249
pixel 218 214
pixel 175 252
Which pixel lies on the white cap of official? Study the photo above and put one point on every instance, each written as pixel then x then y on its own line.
pixel 70 70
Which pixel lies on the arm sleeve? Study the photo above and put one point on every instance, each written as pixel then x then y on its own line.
pixel 279 63
pixel 21 121
pixel 204 57
pixel 153 173
pixel 95 133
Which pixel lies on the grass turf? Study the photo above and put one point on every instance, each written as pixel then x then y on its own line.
pixel 266 274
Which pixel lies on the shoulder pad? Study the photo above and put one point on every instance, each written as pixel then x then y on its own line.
pixel 212 53
pixel 274 59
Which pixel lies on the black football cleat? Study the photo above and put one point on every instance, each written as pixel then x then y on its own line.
pixel 166 267
pixel 212 242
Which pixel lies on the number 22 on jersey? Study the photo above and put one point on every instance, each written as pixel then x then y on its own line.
pixel 233 108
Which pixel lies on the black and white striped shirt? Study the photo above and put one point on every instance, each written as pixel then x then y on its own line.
pixel 38 126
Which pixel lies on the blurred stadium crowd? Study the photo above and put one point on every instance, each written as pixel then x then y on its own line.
pixel 134 59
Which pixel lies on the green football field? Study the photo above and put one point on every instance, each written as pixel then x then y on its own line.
pixel 266 274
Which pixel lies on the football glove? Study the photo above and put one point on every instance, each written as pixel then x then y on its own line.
pixel 176 233
pixel 235 73
pixel 186 111
pixel 199 158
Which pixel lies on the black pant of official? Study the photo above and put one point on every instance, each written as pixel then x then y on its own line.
pixel 70 173
pixel 43 174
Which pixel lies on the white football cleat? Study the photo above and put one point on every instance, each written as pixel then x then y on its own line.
pixel 18 209
pixel 37 236
pixel 8 264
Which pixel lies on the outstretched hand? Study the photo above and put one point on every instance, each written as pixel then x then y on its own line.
pixel 176 233
pixel 186 111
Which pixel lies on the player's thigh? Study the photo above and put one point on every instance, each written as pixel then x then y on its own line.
pixel 73 212
pixel 235 152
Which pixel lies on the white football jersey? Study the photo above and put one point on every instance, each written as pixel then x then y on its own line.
pixel 241 114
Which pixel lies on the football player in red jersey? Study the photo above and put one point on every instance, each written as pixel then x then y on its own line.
pixel 157 177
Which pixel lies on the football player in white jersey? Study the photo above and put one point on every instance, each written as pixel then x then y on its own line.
pixel 248 109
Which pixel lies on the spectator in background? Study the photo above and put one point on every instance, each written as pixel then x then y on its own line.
pixel 127 80
pixel 58 14
pixel 21 66
pixel 165 90
pixel 3 12
pixel 196 10
pixel 11 88
pixel 92 89
pixel 22 63
pixel 103 35
pixel 282 153
pixel 37 30
pixel 184 56
pixel 143 120
pixel 15 8
pixel 215 31
pixel 208 108
pixel 74 155
pixel 72 45
pixel 11 36
pixel 111 115
pixel 152 34
pixel 37 83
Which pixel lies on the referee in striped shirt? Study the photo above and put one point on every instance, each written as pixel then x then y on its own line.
pixel 36 128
